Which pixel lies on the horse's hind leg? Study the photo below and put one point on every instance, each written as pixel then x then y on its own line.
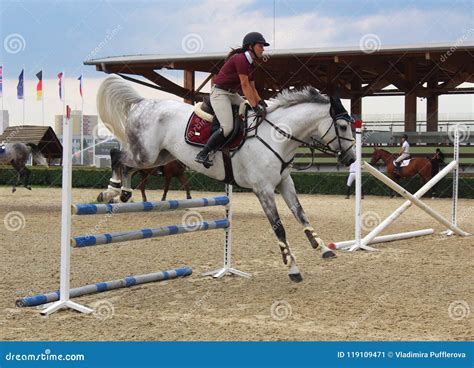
pixel 142 184
pixel 19 175
pixel 267 200
pixel 167 186
pixel 287 188
pixel 184 183
pixel 26 178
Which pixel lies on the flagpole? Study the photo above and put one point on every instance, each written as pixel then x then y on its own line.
pixel 82 126
pixel 24 97
pixel 42 98
pixel 3 73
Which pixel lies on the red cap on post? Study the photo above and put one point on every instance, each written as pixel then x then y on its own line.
pixel 68 112
pixel 358 123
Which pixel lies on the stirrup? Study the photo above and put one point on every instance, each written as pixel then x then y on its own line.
pixel 206 161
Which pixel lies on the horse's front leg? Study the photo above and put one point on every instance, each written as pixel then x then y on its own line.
pixel 126 190
pixel 288 191
pixel 267 200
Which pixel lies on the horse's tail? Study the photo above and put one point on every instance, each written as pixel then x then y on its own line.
pixel 114 100
pixel 38 157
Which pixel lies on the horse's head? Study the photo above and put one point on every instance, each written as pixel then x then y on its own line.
pixel 376 156
pixel 336 133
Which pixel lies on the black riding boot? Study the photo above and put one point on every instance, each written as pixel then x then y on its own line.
pixel 214 142
pixel 348 193
pixel 398 168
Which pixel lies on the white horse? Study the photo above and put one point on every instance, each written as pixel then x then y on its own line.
pixel 152 133
pixel 17 154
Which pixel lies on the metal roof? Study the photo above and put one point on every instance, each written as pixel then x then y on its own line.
pixel 327 51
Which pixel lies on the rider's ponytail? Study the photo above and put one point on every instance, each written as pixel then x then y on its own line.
pixel 238 50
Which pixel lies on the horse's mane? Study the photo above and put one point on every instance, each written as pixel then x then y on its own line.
pixel 287 98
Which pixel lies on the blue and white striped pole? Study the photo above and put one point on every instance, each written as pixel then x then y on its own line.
pixel 91 240
pixel 31 301
pixel 98 209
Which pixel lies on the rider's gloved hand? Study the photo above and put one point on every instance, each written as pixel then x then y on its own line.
pixel 260 110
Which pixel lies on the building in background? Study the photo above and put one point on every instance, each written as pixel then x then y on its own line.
pixel 90 126
pixel 4 120
pixel 97 140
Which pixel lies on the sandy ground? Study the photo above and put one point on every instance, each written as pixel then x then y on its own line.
pixel 418 289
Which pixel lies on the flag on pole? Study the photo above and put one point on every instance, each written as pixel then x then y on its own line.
pixel 39 86
pixel 80 84
pixel 19 87
pixel 1 80
pixel 60 84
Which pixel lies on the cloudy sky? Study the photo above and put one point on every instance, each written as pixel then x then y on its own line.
pixel 59 35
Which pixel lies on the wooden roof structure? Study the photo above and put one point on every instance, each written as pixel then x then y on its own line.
pixel 43 137
pixel 411 71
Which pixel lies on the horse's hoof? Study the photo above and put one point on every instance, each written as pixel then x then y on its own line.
pixel 100 197
pixel 13 190
pixel 329 254
pixel 125 196
pixel 28 187
pixel 295 277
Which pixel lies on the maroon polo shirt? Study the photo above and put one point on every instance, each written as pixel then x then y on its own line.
pixel 228 76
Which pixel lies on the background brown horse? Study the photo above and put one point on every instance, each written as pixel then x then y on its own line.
pixel 173 169
pixel 418 166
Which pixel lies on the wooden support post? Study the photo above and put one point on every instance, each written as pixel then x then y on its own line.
pixel 410 98
pixel 356 100
pixel 432 106
pixel 189 81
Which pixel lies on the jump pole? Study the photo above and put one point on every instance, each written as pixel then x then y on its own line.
pixel 170 205
pixel 99 287
pixel 91 240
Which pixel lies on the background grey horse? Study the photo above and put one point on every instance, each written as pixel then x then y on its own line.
pixel 17 155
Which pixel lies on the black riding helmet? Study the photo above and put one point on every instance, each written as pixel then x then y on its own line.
pixel 252 38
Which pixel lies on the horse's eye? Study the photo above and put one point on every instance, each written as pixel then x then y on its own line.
pixel 343 127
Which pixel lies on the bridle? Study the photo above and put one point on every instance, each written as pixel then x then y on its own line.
pixel 313 145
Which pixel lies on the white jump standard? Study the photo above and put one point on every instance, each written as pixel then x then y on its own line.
pixel 371 237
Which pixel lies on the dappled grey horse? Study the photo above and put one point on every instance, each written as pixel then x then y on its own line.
pixel 17 154
pixel 152 133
